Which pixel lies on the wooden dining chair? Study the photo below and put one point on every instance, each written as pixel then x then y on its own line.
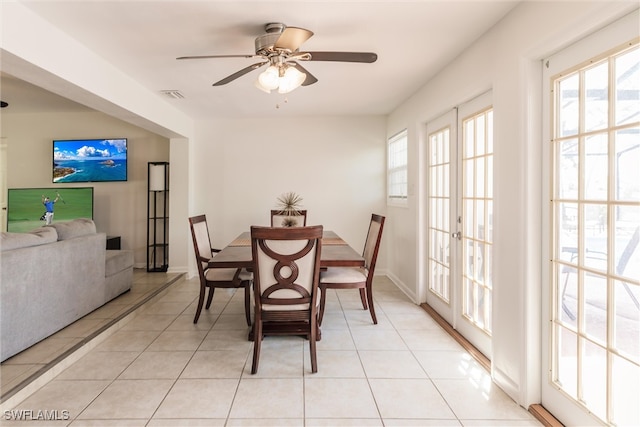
pixel 286 271
pixel 282 219
pixel 212 278
pixel 356 278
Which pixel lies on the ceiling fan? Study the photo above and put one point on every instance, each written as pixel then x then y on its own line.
pixel 279 47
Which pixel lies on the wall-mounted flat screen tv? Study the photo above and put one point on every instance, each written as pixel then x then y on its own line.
pixel 89 160
pixel 25 208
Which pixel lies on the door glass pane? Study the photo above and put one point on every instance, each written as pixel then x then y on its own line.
pixel 567 291
pixel 626 251
pixel 625 385
pixel 596 167
pixel 596 86
pixel 595 237
pixel 468 218
pixel 566 360
pixel 469 139
pixel 594 378
pixel 568 106
pixel 627 91
pixel 480 136
pixel 445 215
pixel 480 177
pixel 490 131
pixel 627 158
pixel 595 307
pixel 567 159
pixel 567 223
pixel 467 166
pixel 627 319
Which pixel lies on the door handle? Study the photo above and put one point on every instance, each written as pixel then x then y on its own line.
pixel 456 235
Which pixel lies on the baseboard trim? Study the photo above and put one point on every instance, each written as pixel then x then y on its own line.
pixel 545 417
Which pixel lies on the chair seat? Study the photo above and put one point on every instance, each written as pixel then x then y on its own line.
pixel 220 274
pixel 245 275
pixel 343 275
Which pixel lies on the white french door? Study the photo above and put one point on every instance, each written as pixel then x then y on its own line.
pixel 460 212
pixel 592 331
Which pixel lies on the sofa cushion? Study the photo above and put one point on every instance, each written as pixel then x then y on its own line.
pixel 116 261
pixel 75 228
pixel 36 237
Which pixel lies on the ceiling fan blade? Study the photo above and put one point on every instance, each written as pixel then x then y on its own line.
pixel 240 73
pixel 218 56
pixel 292 38
pixel 311 79
pixel 366 57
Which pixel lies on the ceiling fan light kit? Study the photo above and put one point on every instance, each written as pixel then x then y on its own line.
pixel 284 78
pixel 279 48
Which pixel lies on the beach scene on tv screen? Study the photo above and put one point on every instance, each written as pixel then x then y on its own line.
pixel 90 160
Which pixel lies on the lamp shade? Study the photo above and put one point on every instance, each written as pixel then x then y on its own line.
pixel 291 80
pixel 157 178
pixel 269 78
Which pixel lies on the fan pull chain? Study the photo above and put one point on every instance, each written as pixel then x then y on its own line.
pixel 286 101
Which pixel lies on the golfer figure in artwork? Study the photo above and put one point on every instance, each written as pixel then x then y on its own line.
pixel 48 205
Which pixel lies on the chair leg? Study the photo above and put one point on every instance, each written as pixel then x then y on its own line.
pixel 372 310
pixel 200 302
pixel 312 346
pixel 210 297
pixel 323 300
pixel 363 298
pixel 257 341
pixel 247 302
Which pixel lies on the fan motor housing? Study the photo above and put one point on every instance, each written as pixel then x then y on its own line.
pixel 264 43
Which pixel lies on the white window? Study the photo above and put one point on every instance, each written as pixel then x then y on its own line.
pixel 397 169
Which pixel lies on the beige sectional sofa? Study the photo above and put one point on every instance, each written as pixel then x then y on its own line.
pixel 52 276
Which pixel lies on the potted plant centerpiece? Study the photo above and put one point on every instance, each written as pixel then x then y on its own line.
pixel 289 207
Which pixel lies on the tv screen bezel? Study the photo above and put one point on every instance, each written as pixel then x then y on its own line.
pixel 38 208
pixel 90 141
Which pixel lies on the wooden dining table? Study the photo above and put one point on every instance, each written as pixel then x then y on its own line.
pixel 335 253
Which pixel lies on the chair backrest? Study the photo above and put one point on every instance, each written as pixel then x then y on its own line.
pixel 201 241
pixel 286 266
pixel 281 219
pixel 372 244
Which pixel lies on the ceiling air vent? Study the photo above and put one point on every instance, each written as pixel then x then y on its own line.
pixel 175 94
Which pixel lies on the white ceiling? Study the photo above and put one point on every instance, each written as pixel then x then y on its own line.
pixel 413 40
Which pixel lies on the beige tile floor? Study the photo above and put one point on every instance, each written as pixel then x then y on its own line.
pixel 159 369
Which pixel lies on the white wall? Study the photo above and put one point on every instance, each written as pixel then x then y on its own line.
pixel 336 164
pixel 508 60
pixel 120 208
